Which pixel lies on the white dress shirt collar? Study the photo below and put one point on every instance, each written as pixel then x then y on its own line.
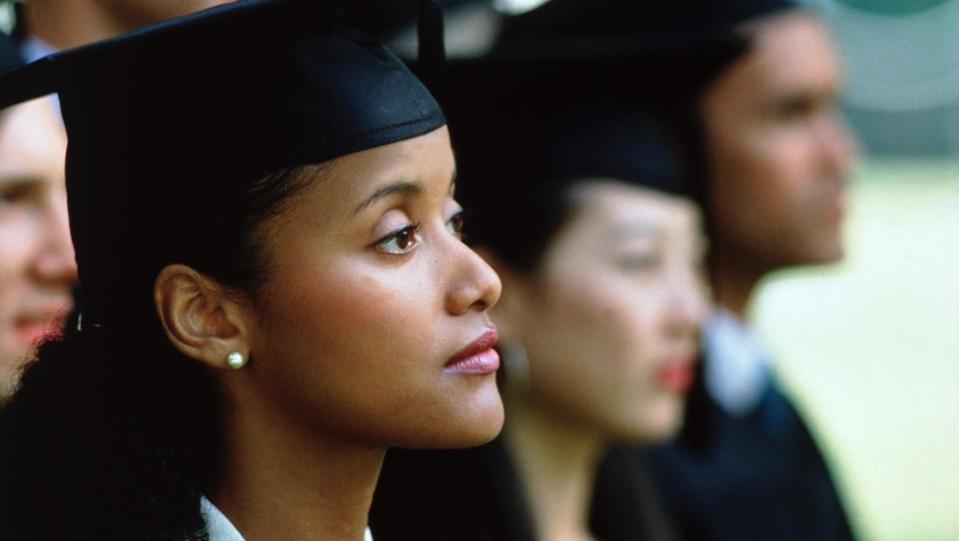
pixel 219 528
pixel 736 369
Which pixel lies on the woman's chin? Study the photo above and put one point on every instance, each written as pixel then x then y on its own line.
pixel 659 422
pixel 471 422
pixel 486 426
pixel 481 425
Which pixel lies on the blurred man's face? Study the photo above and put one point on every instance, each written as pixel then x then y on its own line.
pixel 778 149
pixel 37 267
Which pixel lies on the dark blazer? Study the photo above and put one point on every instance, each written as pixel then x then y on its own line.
pixel 755 477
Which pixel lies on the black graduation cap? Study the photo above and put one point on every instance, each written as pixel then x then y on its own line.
pixel 169 125
pixel 534 136
pixel 9 55
pixel 578 106
pixel 685 44
pixel 529 121
pixel 667 51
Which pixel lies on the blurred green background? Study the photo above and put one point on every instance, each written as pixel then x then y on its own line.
pixel 870 350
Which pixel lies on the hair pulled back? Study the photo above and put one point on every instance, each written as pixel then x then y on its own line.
pixel 114 434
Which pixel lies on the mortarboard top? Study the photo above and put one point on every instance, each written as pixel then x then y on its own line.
pixel 664 52
pixel 526 127
pixel 524 139
pixel 682 39
pixel 169 125
pixel 550 109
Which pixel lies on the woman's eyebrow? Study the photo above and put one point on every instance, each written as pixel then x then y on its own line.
pixel 405 187
pixel 20 181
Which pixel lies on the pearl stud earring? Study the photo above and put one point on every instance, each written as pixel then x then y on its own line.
pixel 236 360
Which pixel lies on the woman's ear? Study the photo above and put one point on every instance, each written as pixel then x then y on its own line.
pixel 511 312
pixel 202 319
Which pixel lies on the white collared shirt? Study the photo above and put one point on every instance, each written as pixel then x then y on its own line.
pixel 736 370
pixel 219 528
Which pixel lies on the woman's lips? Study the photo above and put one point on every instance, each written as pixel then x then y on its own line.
pixel 478 357
pixel 677 375
pixel 33 328
pixel 33 333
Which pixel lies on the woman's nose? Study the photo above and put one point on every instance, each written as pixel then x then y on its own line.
pixel 475 286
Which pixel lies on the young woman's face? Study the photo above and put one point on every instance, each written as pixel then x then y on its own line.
pixel 613 313
pixel 37 268
pixel 370 301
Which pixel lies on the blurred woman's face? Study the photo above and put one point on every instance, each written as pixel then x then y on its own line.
pixel 372 322
pixel 612 315
pixel 37 268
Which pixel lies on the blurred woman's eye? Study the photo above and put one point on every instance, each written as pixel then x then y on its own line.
pixel 16 193
pixel 401 241
pixel 641 261
pixel 455 225
pixel 800 107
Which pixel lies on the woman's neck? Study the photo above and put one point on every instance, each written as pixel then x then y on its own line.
pixel 278 482
pixel 557 460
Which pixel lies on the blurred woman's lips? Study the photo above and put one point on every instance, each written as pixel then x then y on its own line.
pixel 676 374
pixel 478 357
pixel 31 333
pixel 36 325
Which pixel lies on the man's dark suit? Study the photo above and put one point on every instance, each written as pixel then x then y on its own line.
pixel 759 476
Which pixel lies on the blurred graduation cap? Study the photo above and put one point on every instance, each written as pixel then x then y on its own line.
pixel 538 136
pixel 168 126
pixel 535 116
pixel 663 52
pixel 585 103
pixel 681 44
pixel 621 55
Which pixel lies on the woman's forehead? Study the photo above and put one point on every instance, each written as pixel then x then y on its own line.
pixel 351 186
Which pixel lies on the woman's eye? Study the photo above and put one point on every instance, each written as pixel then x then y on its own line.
pixel 641 262
pixel 16 194
pixel 400 241
pixel 455 225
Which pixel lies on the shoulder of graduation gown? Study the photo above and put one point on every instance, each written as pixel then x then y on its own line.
pixel 759 476
pixel 219 527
